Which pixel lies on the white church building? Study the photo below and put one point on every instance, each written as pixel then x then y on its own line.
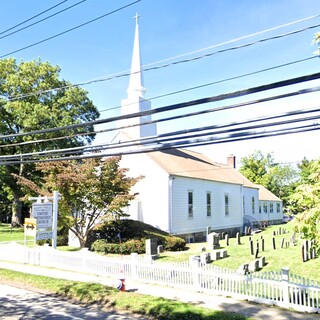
pixel 184 192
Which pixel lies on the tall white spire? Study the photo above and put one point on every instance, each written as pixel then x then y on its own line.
pixel 139 127
pixel 136 77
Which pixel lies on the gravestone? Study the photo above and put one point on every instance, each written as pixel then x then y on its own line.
pixel 254 265
pixel 257 250
pixel 262 244
pixel 151 246
pixel 160 249
pixel 306 250
pixel 274 243
pixel 215 255
pixel 243 269
pixel 251 247
pixel 262 262
pixel 208 231
pixel 205 258
pixel 227 239
pixel 293 239
pixel 238 238
pixel 213 240
pixel 223 253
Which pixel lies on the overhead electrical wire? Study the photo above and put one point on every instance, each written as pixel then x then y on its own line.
pixel 246 125
pixel 181 144
pixel 41 20
pixel 185 115
pixel 220 97
pixel 127 72
pixel 191 132
pixel 71 29
pixel 33 17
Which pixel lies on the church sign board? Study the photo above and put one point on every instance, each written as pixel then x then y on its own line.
pixel 42 212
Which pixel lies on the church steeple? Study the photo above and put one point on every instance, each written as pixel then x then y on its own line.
pixel 136 77
pixel 139 127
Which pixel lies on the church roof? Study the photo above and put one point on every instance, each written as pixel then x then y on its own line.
pixel 266 195
pixel 187 163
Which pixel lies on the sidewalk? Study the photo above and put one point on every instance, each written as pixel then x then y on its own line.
pixel 252 310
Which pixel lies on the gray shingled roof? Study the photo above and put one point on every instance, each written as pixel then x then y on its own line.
pixel 187 163
pixel 266 195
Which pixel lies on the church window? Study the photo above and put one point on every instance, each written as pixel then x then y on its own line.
pixel 190 204
pixel 253 205
pixel 271 207
pixel 208 204
pixel 226 204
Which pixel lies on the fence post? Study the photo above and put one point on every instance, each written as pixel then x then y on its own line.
pixel 134 257
pixel 285 286
pixel 195 264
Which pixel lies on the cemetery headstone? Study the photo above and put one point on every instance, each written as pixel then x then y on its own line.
pixel 251 247
pixel 227 239
pixel 238 238
pixel 213 240
pixel 151 246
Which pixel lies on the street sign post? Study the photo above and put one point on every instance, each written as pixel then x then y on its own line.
pixel 30 227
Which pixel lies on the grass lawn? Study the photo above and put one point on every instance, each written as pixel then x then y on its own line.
pixel 109 298
pixel 290 257
pixel 10 234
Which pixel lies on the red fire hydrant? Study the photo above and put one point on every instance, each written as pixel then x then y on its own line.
pixel 122 282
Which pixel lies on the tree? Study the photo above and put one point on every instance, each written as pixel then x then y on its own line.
pixel 28 103
pixel 92 191
pixel 306 203
pixel 262 169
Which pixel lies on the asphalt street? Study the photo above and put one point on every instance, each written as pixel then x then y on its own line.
pixel 21 304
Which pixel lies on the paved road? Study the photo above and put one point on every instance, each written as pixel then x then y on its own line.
pixel 16 303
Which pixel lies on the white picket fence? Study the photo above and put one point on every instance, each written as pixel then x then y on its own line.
pixel 277 288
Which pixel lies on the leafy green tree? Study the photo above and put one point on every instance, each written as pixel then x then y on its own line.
pixel 262 169
pixel 91 191
pixel 305 201
pixel 28 103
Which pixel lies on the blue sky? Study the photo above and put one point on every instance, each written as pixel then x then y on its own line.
pixel 171 28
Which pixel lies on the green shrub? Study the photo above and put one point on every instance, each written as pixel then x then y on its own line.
pixel 127 247
pixel 133 245
pixel 171 243
pixel 99 246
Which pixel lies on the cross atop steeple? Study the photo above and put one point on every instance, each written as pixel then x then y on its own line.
pixel 137 16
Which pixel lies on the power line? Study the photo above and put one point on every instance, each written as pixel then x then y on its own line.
pixel 181 105
pixel 185 115
pixel 46 18
pixel 127 73
pixel 71 29
pixel 33 17
pixel 174 145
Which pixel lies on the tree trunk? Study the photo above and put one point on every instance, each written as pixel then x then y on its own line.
pixel 16 212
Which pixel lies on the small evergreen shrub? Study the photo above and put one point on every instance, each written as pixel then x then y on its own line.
pixel 127 247
pixel 133 245
pixel 171 243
